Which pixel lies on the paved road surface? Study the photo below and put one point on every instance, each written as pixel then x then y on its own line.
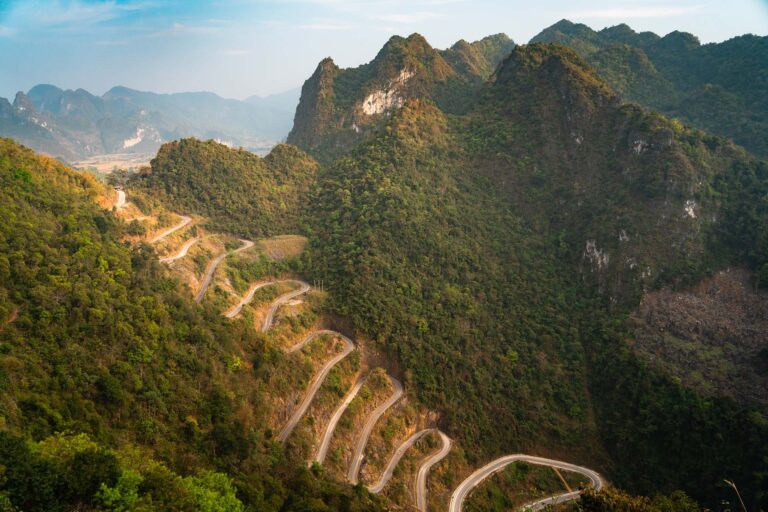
pixel 247 298
pixel 247 244
pixel 387 474
pixel 182 252
pixel 359 452
pixel 282 300
pixel 184 221
pixel 463 490
pixel 322 450
pixel 309 338
pixel 314 386
pixel 120 199
pixel 421 476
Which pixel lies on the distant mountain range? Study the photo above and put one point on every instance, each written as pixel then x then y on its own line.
pixel 73 125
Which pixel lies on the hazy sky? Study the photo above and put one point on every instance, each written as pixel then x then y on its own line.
pixel 243 47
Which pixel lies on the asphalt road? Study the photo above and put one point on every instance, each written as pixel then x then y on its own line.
pixel 120 199
pixel 387 474
pixel 314 386
pixel 282 300
pixel 466 487
pixel 421 476
pixel 358 453
pixel 184 221
pixel 247 244
pixel 322 450
pixel 182 252
pixel 247 298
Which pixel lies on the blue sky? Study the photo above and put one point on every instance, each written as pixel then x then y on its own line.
pixel 239 48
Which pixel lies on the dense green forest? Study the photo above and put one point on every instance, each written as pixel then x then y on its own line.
pixel 464 244
pixel 115 393
pixel 490 238
pixel 237 191
pixel 720 87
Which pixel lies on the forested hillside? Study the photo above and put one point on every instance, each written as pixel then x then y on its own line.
pixel 491 233
pixel 99 340
pixel 720 87
pixel 237 191
pixel 497 254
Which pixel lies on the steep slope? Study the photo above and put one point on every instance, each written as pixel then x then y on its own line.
pixel 635 201
pixel 471 294
pixel 98 339
pixel 339 106
pixel 491 224
pixel 238 191
pixel 705 85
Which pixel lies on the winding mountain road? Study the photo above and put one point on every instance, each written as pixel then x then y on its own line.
pixel 421 476
pixel 314 386
pixel 282 300
pixel 322 450
pixel 247 298
pixel 182 252
pixel 362 441
pixel 313 335
pixel 473 480
pixel 120 199
pixel 387 474
pixel 184 221
pixel 247 244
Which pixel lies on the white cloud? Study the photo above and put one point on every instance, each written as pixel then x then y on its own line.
pixel 6 31
pixel 634 12
pixel 414 17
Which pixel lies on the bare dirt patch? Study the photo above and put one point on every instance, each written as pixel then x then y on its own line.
pixel 713 337
pixel 283 246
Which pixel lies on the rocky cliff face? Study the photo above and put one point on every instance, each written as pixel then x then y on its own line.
pixel 339 107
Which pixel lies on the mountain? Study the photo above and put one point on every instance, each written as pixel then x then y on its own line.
pixel 115 392
pixel 547 268
pixel 285 101
pixel 338 107
pixel 719 87
pixel 72 125
pixel 237 191
pixel 498 255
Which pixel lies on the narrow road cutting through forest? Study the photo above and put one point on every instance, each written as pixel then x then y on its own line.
pixel 473 480
pixel 359 451
pixel 182 251
pixel 322 450
pixel 282 300
pixel 120 199
pixel 314 386
pixel 387 474
pixel 184 221
pixel 421 476
pixel 247 244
